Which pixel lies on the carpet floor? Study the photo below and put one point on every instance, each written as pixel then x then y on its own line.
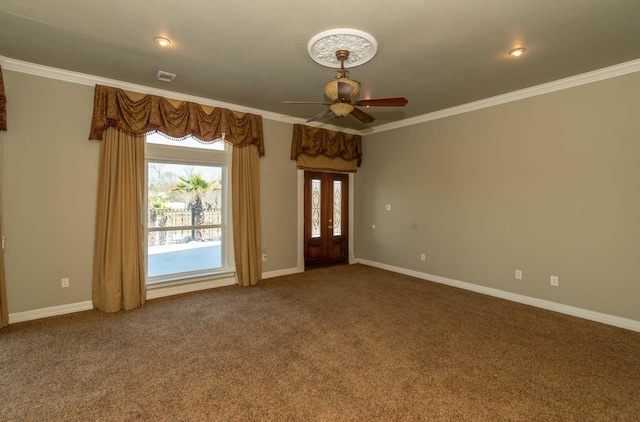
pixel 334 344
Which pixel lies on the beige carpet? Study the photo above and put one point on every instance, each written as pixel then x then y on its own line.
pixel 343 343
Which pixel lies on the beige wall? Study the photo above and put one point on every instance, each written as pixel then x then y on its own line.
pixel 548 185
pixel 278 191
pixel 50 176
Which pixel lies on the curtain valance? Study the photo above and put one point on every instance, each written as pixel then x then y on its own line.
pixel 322 149
pixel 3 104
pixel 138 114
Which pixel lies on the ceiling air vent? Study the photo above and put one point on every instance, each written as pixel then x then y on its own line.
pixel 165 76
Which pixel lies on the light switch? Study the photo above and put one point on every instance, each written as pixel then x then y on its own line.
pixel 388 207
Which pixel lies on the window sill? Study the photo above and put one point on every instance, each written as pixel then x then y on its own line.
pixel 178 281
pixel 194 284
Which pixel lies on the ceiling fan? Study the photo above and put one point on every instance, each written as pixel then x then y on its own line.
pixel 342 91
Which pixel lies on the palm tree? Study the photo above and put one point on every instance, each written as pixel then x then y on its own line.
pixel 195 186
pixel 157 213
pixel 155 202
pixel 215 197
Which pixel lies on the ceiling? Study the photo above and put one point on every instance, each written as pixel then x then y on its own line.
pixel 436 53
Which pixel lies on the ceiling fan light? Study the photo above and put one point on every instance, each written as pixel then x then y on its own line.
pixel 331 88
pixel 341 109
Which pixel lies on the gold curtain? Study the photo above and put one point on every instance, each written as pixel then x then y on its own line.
pixel 325 150
pixel 3 104
pixel 124 118
pixel 4 312
pixel 138 114
pixel 245 187
pixel 118 261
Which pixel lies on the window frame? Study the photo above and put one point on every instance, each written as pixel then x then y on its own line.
pixel 175 154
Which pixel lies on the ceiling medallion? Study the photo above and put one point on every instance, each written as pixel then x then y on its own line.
pixel 360 45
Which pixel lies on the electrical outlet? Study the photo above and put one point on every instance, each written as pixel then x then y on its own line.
pixel 553 280
pixel 423 257
pixel 264 256
pixel 518 274
pixel 64 282
pixel 388 207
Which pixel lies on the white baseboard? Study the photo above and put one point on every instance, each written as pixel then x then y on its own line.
pixel 613 320
pixel 188 288
pixel 50 311
pixel 616 321
pixel 151 294
pixel 279 273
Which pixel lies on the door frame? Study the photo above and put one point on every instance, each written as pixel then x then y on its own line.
pixel 352 257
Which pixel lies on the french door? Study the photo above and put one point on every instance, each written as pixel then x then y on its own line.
pixel 326 219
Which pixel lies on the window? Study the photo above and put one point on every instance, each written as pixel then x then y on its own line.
pixel 187 232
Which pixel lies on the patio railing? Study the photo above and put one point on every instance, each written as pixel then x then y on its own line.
pixel 169 218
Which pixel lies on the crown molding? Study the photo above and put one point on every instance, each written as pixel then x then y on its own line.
pixel 546 88
pixel 20 66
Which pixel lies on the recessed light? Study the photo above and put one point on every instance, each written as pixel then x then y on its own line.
pixel 517 52
pixel 162 42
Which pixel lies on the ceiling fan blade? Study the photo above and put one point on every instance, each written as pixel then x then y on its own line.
pixel 319 116
pixel 345 91
pixel 383 102
pixel 306 102
pixel 362 116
